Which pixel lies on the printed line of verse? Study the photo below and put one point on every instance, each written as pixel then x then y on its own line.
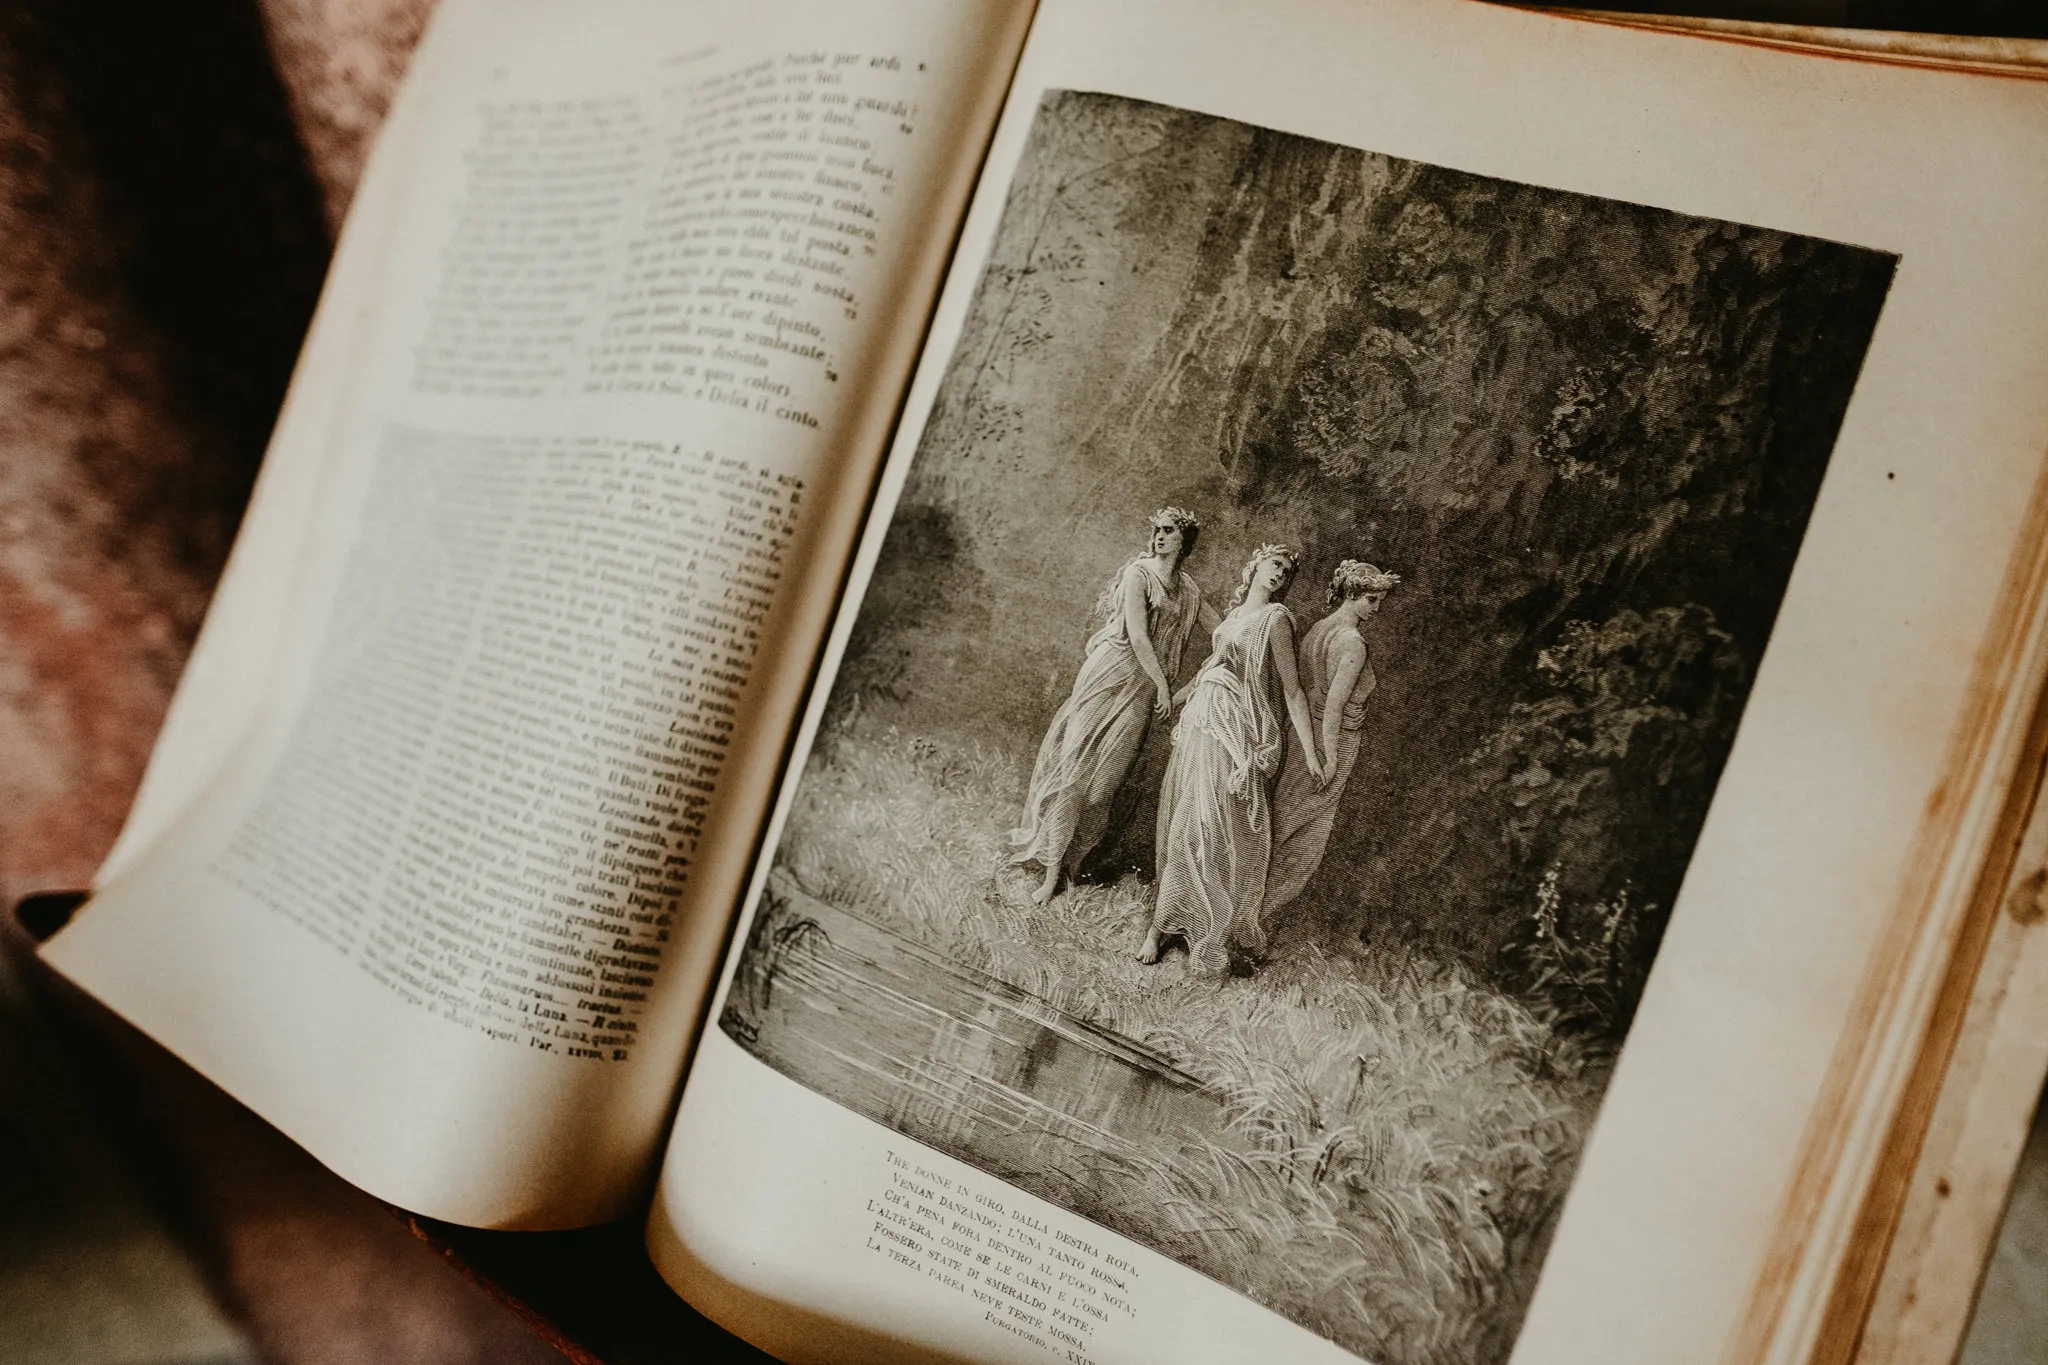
pixel 1048 1286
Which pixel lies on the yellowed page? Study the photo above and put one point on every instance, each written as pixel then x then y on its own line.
pixel 1864 791
pixel 1965 1171
pixel 442 840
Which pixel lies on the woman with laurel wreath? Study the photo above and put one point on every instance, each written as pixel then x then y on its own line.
pixel 1215 816
pixel 1126 678
pixel 1336 678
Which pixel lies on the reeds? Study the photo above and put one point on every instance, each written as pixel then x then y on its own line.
pixel 1397 1136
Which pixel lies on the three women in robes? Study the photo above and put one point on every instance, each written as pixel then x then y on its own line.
pixel 1266 740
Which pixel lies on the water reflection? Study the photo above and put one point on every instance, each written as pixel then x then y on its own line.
pixel 952 1057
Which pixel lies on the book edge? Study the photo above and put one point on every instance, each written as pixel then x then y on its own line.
pixel 2010 58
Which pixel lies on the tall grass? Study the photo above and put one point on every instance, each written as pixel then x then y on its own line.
pixel 1397 1136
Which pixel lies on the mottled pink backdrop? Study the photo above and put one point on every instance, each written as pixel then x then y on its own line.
pixel 165 207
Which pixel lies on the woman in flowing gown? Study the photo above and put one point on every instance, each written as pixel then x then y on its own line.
pixel 1215 821
pixel 1147 613
pixel 1336 677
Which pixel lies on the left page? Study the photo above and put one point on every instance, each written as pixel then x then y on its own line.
pixel 443 831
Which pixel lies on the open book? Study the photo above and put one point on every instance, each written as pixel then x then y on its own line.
pixel 1135 681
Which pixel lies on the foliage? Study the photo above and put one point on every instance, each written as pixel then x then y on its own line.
pixel 778 937
pixel 1603 782
pixel 1582 963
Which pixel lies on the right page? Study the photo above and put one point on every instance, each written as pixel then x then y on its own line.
pixel 1440 662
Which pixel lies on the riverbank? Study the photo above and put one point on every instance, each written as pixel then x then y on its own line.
pixel 1391 1140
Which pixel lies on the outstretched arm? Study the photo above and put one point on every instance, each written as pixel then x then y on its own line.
pixel 1351 665
pixel 1140 636
pixel 1281 643
pixel 1207 615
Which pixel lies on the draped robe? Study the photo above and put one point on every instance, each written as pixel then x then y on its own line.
pixel 1097 732
pixel 1304 815
pixel 1215 817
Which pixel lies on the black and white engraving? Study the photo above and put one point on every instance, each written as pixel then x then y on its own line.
pixel 1293 683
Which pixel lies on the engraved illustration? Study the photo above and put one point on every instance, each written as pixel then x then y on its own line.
pixel 1291 688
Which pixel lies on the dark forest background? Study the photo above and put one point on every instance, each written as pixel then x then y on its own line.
pixel 1588 434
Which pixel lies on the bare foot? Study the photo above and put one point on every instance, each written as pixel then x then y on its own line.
pixel 1048 888
pixel 1149 954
